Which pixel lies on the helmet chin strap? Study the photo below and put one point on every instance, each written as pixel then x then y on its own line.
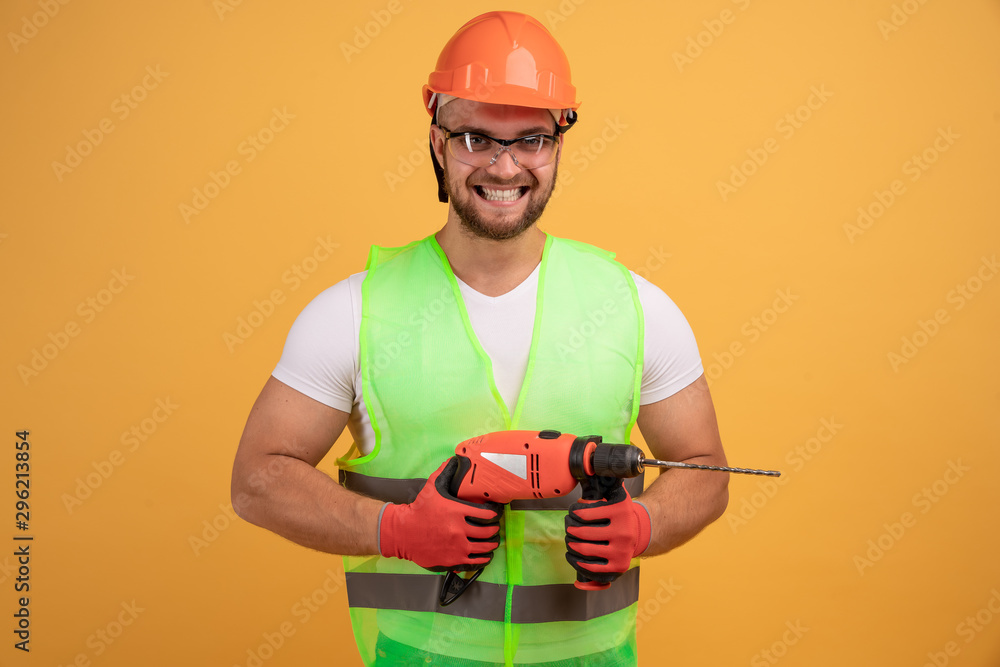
pixel 439 173
pixel 438 169
pixel 569 116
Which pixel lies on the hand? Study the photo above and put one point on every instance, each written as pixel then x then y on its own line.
pixel 605 530
pixel 439 532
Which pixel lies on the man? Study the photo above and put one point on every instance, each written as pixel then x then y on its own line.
pixel 489 324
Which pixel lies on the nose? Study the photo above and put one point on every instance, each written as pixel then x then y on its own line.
pixel 504 164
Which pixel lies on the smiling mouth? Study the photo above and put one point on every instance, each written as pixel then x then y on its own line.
pixel 494 194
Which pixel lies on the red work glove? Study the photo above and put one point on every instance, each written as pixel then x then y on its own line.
pixel 438 531
pixel 603 536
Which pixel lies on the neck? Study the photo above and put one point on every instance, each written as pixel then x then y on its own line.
pixel 490 267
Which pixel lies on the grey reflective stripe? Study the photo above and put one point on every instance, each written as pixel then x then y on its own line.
pixel 566 602
pixel 531 604
pixel 382 488
pixel 405 490
pixel 420 592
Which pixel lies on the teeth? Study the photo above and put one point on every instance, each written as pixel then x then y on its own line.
pixel 500 195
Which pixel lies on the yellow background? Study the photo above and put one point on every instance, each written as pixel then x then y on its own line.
pixel 847 562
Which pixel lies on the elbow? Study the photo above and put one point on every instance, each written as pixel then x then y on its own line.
pixel 242 496
pixel 240 501
pixel 721 500
pixel 254 486
pixel 718 500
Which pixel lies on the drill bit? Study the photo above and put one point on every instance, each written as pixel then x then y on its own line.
pixel 675 464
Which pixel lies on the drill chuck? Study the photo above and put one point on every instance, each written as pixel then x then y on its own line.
pixel 589 456
pixel 618 460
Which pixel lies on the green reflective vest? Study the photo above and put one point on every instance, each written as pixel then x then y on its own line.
pixel 427 385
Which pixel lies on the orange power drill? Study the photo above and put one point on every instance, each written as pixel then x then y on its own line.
pixel 520 465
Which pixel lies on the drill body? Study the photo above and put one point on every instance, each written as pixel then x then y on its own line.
pixel 520 465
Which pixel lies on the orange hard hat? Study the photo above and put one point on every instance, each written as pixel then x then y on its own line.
pixel 503 58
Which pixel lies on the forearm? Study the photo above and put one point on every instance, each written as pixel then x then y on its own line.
pixel 295 500
pixel 683 502
pixel 682 427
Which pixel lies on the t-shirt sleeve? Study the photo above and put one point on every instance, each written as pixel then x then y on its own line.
pixel 671 358
pixel 320 358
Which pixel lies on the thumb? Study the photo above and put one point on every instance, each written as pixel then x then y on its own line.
pixel 445 471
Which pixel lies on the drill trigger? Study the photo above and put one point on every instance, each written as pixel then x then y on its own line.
pixel 454 585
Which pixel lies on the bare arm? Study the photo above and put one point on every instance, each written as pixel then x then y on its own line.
pixel 275 482
pixel 681 503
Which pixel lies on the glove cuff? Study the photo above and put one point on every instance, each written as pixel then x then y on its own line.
pixel 645 527
pixel 386 535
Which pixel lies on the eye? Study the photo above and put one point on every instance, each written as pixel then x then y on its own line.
pixel 533 141
pixel 476 142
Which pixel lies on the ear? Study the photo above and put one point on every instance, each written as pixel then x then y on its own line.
pixel 437 142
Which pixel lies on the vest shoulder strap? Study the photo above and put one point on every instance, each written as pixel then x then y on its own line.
pixel 379 255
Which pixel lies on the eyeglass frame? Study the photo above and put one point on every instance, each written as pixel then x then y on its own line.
pixel 505 145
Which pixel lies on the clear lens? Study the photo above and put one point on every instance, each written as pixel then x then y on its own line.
pixel 480 151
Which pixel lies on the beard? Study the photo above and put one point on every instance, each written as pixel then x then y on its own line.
pixel 512 225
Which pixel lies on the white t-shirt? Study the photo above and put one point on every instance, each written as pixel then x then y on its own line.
pixel 320 358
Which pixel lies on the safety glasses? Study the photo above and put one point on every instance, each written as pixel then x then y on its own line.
pixel 480 150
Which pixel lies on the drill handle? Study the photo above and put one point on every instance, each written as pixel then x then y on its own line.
pixel 464 466
pixel 454 584
pixel 595 488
